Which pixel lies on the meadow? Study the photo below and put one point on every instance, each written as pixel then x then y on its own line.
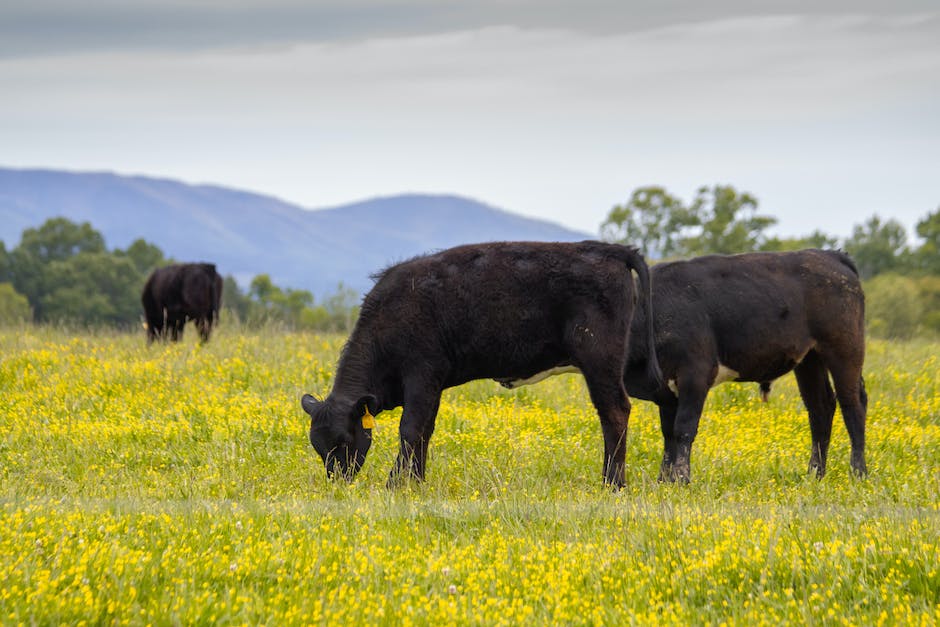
pixel 174 485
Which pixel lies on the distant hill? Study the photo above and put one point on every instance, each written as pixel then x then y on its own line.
pixel 247 234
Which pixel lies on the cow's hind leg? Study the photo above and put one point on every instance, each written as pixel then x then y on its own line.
pixel 154 331
pixel 667 423
pixel 419 413
pixel 850 390
pixel 613 407
pixel 204 326
pixel 812 378
pixel 693 389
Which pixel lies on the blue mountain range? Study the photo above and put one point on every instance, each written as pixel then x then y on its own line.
pixel 246 234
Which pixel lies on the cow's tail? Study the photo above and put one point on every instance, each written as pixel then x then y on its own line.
pixel 843 258
pixel 638 264
pixel 148 301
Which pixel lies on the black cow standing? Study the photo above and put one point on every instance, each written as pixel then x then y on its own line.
pixel 181 292
pixel 754 317
pixel 497 310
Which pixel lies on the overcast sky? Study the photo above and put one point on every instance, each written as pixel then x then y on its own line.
pixel 827 112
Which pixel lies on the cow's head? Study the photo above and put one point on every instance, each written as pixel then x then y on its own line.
pixel 341 432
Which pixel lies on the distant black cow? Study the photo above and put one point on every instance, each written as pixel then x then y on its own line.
pixel 498 310
pixel 754 317
pixel 177 293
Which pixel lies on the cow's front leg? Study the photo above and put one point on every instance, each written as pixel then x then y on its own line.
pixel 176 330
pixel 692 393
pixel 417 424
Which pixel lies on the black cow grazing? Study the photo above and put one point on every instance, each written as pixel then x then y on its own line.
pixel 177 293
pixel 497 310
pixel 754 317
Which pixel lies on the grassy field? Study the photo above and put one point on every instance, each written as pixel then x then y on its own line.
pixel 175 485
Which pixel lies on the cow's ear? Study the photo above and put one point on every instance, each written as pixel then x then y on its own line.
pixel 309 403
pixel 365 409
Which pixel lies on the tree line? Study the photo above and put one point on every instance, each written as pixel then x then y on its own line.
pixel 901 278
pixel 63 273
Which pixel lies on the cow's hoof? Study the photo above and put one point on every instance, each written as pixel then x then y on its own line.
pixel 665 473
pixel 816 470
pixel 615 486
pixel 399 479
pixel 859 469
pixel 675 473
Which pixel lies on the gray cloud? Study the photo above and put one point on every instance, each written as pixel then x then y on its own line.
pixel 826 118
pixel 38 27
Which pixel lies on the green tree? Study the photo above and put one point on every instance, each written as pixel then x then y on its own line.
pixel 927 256
pixel 91 289
pixel 27 273
pixel 929 295
pixel 263 290
pixel 6 265
pixel 878 247
pixel 729 222
pixel 14 308
pixel 56 239
pixel 60 238
pixel 275 303
pixel 652 219
pixel 145 256
pixel 719 220
pixel 342 307
pixel 234 300
pixel 892 306
pixel 66 274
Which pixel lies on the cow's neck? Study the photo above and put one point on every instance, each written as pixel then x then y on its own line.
pixel 355 371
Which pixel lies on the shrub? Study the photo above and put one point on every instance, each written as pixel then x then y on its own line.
pixel 893 307
pixel 14 308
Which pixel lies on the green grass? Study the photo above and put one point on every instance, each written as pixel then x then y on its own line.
pixel 175 485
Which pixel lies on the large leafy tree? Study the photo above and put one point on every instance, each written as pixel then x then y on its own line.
pixel 60 238
pixel 62 272
pixel 14 308
pixel 927 256
pixel 878 247
pixel 719 220
pixel 145 257
pixel 652 219
pixel 91 289
pixel 56 240
pixel 729 222
pixel 272 302
pixel 6 273
pixel 235 300
pixel 66 274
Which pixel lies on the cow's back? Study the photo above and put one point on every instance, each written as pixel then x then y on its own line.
pixel 182 289
pixel 757 313
pixel 197 287
pixel 497 305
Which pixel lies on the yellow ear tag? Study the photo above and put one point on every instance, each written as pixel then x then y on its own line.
pixel 368 420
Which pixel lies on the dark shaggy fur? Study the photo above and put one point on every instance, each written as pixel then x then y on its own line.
pixel 499 310
pixel 760 315
pixel 177 293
